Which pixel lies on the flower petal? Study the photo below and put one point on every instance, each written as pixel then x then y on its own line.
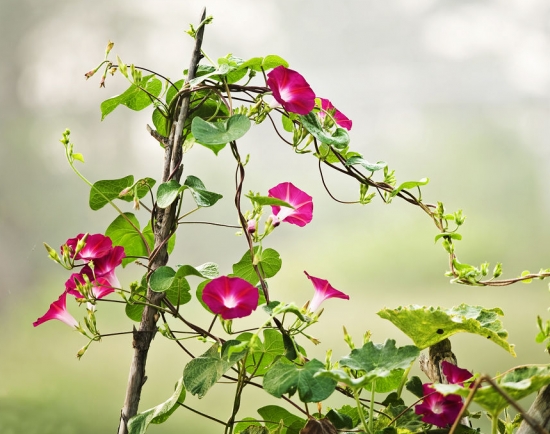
pixel 291 90
pixel 300 200
pixel 454 374
pixel 438 409
pixel 323 291
pixel 340 118
pixel 58 310
pixel 230 297
pixel 97 245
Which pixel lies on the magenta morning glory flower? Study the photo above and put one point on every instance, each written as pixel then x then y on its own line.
pixel 301 201
pixel 340 118
pixel 58 310
pixel 97 245
pixel 103 278
pixel 438 409
pixel 291 90
pixel 323 291
pixel 454 374
pixel 230 297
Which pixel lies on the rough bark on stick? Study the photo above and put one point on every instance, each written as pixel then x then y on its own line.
pixel 164 224
pixel 539 412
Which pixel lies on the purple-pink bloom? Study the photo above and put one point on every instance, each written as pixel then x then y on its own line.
pixel 291 90
pixel 97 245
pixel 300 200
pixel 454 374
pixel 323 291
pixel 230 297
pixel 58 310
pixel 438 409
pixel 103 278
pixel 340 118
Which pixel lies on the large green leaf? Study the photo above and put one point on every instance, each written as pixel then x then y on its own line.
pixel 291 423
pixel 263 354
pixel 106 190
pixel 203 197
pixel 201 373
pixel 268 260
pixel 410 184
pixel 383 363
pixel 208 270
pixel 340 138
pixel 122 233
pixel 220 132
pixel 268 201
pixel 427 326
pixel 286 377
pixel 358 159
pixel 178 292
pixel 167 193
pixel 518 383
pixel 159 414
pixel 136 97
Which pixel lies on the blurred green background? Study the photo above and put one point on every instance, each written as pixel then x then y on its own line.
pixel 452 90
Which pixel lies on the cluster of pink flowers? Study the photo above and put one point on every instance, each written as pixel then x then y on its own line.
pixel 233 297
pixel 100 259
pixel 438 409
pixel 292 91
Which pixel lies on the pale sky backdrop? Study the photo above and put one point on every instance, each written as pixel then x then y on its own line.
pixel 457 91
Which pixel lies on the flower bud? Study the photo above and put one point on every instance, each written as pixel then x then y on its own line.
pixel 347 339
pixel 274 220
pixel 109 48
pixel 90 73
pixel 251 226
pixel 52 254
pixel 80 244
pixel 125 191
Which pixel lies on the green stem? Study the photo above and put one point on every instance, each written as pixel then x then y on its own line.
pixel 70 159
pixel 403 380
pixel 371 410
pixel 494 423
pixel 360 410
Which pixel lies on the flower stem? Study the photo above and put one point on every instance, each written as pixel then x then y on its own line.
pixel 371 411
pixel 360 410
pixel 403 380
pixel 494 423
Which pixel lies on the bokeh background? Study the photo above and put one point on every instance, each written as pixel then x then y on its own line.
pixel 457 91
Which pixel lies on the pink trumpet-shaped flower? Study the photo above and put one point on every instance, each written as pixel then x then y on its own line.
pixel 301 201
pixel 103 278
pixel 291 90
pixel 340 118
pixel 323 291
pixel 58 310
pixel 438 409
pixel 230 297
pixel 454 374
pixel 97 245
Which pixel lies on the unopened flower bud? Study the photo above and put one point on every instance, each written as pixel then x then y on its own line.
pixel 274 220
pixel 125 191
pixel 52 254
pixel 251 226
pixel 109 48
pixel 83 350
pixel 347 339
pixel 80 244
pixel 136 203
pixel 90 74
